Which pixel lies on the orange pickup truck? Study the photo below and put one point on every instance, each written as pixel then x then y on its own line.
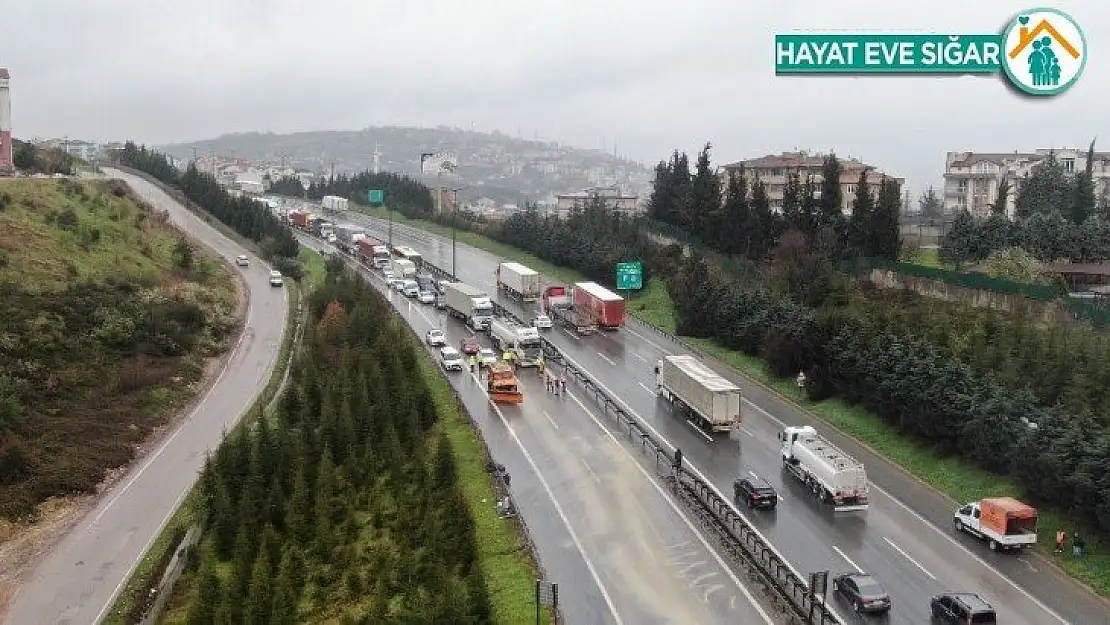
pixel 1004 522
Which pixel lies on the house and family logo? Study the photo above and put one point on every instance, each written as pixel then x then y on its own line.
pixel 1042 52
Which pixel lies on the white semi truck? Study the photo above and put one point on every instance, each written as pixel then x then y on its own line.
pixel 831 475
pixel 524 341
pixel 518 281
pixel 334 203
pixel 470 304
pixel 697 390
pixel 404 269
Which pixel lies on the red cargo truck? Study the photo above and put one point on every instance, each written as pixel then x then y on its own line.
pixel 299 219
pixel 604 307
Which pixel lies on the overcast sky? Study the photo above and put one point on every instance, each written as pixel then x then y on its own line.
pixel 651 76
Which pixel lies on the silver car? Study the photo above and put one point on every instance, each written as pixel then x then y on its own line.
pixel 451 359
pixel 427 297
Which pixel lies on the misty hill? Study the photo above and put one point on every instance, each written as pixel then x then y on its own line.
pixel 492 165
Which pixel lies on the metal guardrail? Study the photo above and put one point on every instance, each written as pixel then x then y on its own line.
pixel 787 590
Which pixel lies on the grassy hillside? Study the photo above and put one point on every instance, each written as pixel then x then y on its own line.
pixel 107 316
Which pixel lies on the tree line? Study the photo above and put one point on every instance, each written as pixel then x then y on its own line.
pixel 33 159
pixel 346 506
pixel 247 217
pixel 404 194
pixel 1056 217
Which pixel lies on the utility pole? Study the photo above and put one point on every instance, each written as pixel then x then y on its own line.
pixel 454 214
pixel 194 156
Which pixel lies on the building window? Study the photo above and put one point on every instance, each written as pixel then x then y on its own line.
pixel 850 189
pixel 1069 165
pixel 961 186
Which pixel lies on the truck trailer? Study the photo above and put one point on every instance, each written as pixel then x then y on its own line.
pixel 695 389
pixel 299 219
pixel 372 253
pixel 470 304
pixel 523 341
pixel 600 304
pixel 403 269
pixel 347 236
pixel 518 282
pixel 1004 522
pixel 831 475
pixel 558 303
pixel 334 203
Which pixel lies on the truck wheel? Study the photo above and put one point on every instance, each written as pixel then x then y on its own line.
pixel 959 525
pixel 994 545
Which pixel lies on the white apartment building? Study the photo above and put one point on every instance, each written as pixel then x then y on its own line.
pixel 774 170
pixel 613 197
pixel 971 178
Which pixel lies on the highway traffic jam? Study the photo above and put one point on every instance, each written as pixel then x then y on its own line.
pixel 882 559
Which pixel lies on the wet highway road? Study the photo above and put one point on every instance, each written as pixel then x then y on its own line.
pixel 76 584
pixel 905 541
pixel 607 530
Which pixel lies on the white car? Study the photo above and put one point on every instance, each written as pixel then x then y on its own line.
pixel 275 278
pixel 427 297
pixel 436 337
pixel 388 275
pixel 486 357
pixel 451 359
pixel 541 322
pixel 242 260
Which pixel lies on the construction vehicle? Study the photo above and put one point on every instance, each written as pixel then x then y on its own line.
pixel 1004 522
pixel 523 341
pixel 518 282
pixel 695 389
pixel 470 304
pixel 832 476
pixel 502 384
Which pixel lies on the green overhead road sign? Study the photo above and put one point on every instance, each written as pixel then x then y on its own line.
pixel 630 276
pixel 376 197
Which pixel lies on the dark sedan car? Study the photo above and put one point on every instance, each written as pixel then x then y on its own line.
pixel 862 591
pixel 755 491
pixel 469 346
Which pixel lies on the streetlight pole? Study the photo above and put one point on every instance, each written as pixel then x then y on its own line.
pixel 454 211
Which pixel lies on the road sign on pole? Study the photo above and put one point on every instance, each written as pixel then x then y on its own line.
pixel 630 276
pixel 376 197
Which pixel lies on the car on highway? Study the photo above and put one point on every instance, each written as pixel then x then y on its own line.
pixel 426 297
pixel 436 337
pixel 331 239
pixel 398 285
pixel 755 491
pixel 486 357
pixel 410 288
pixel 451 359
pixel 275 278
pixel 862 591
pixel 388 275
pixel 441 286
pixel 242 260
pixel 961 607
pixel 541 322
pixel 469 345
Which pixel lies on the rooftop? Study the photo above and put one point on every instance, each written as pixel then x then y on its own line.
pixel 801 159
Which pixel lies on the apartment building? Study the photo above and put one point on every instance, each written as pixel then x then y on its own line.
pixel 971 179
pixel 774 170
pixel 613 197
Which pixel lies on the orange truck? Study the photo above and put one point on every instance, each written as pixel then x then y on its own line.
pixel 502 385
pixel 1004 522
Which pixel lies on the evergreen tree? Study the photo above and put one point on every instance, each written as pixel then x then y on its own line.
pixel 1047 188
pixel 661 204
pixel 260 596
pixel 792 210
pixel 859 223
pixel 761 223
pixel 1083 205
pixel 810 209
pixel 704 198
pixel 929 204
pixel 286 592
pixel 960 242
pixel 737 214
pixel 830 212
pixel 1003 197
pixel 203 609
pixel 884 232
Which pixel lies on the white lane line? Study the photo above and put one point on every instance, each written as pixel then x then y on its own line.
pixel 646 340
pixel 697 428
pixel 693 529
pixel 571 335
pixel 846 558
pixel 907 556
pixel 593 476
pixel 558 510
pixel 634 354
pixel 553 424
pixel 939 532
pixel 747 431
pixel 606 359
pixel 646 388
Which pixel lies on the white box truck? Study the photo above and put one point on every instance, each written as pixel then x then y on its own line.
pixel 470 304
pixel 334 203
pixel 831 475
pixel 347 237
pixel 404 269
pixel 695 389
pixel 518 282
pixel 523 341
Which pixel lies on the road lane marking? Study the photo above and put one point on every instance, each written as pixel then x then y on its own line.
pixel 747 431
pixel 573 336
pixel 1028 564
pixel 606 359
pixel 701 432
pixel 645 387
pixel 639 356
pixel 693 529
pixel 907 556
pixel 593 476
pixel 847 559
pixel 646 340
pixel 553 424
pixel 694 470
pixel 558 510
pixel 939 532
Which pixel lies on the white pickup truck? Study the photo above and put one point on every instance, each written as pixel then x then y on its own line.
pixel 1005 523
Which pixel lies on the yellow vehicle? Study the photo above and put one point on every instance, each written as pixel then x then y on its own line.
pixel 502 384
